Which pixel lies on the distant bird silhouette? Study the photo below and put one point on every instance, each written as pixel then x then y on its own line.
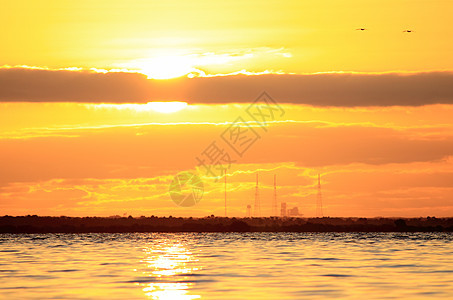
pixel 407 30
pixel 361 29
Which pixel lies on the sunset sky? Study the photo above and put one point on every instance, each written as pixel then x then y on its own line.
pixel 102 103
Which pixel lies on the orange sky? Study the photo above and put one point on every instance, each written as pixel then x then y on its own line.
pixel 369 110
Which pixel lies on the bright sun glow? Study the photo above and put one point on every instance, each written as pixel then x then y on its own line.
pixel 161 107
pixel 167 107
pixel 166 67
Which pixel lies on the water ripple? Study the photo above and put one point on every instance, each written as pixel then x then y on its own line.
pixel 226 266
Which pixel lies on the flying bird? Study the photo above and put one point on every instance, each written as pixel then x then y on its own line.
pixel 361 29
pixel 407 30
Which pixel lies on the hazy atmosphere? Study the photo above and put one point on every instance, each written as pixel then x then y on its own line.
pixel 102 104
pixel 197 149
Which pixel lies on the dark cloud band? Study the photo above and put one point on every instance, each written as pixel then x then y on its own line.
pixel 327 89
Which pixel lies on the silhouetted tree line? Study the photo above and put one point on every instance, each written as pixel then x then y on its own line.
pixel 37 224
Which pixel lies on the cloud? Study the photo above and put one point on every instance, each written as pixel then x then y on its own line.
pixel 422 188
pixel 38 85
pixel 118 152
pixel 324 89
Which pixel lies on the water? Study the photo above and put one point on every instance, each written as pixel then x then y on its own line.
pixel 226 266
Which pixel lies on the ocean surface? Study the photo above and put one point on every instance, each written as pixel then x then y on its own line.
pixel 226 266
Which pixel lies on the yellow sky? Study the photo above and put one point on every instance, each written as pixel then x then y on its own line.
pixel 90 159
pixel 289 36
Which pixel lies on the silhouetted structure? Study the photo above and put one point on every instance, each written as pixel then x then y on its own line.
pixel 274 202
pixel 257 200
pixel 319 212
pixel 225 194
pixel 248 212
pixel 283 209
pixel 293 212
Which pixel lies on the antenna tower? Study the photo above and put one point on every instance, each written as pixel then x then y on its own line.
pixel 274 203
pixel 225 194
pixel 257 200
pixel 319 213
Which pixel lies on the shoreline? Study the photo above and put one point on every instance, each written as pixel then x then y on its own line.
pixel 42 224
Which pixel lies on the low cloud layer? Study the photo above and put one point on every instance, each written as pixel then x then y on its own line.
pixel 328 89
pixel 151 150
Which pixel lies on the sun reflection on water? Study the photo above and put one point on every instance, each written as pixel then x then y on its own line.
pixel 170 264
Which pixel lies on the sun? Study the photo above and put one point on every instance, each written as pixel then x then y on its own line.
pixel 165 67
pixel 167 107
pixel 172 64
pixel 160 107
